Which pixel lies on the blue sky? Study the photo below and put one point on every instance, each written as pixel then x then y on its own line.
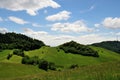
pixel 59 21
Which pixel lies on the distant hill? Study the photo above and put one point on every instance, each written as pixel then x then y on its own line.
pixel 19 41
pixel 110 45
pixel 76 48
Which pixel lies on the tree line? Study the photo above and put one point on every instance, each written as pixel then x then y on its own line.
pixel 19 41
pixel 76 48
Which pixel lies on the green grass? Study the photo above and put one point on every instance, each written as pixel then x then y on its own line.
pixel 106 67
pixel 103 71
pixel 106 55
pixel 4 53
pixel 52 54
pixel 15 70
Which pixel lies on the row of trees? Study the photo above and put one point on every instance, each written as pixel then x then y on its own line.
pixel 42 64
pixel 75 48
pixel 19 41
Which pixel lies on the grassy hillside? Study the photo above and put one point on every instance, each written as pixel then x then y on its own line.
pixel 103 71
pixel 91 68
pixel 14 70
pixel 59 57
pixel 4 53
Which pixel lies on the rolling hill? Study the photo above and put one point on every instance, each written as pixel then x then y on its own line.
pixel 110 45
pixel 13 69
pixel 19 41
pixel 90 67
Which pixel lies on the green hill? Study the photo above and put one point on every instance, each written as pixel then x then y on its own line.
pixel 13 69
pixel 59 57
pixel 93 62
pixel 19 41
pixel 76 48
pixel 110 45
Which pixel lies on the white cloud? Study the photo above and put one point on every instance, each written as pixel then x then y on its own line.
pixel 3 30
pixel 1 19
pixel 36 25
pixel 93 38
pixel 113 23
pixel 32 33
pixel 118 34
pixel 55 40
pixel 63 15
pixel 17 20
pixel 30 6
pixel 77 26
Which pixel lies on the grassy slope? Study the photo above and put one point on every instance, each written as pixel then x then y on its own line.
pixel 3 54
pixel 102 71
pixel 13 69
pixel 60 58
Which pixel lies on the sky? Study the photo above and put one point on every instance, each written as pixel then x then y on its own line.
pixel 58 21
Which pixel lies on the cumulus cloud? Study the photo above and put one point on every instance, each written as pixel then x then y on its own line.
pixel 113 23
pixel 63 37
pixel 55 40
pixel 3 30
pixel 63 15
pixel 17 20
pixel 31 32
pixel 30 6
pixel 77 26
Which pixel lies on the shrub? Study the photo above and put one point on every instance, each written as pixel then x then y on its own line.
pixel 18 52
pixel 74 66
pixel 9 56
pixel 33 60
pixel 52 66
pixel 25 60
pixel 43 65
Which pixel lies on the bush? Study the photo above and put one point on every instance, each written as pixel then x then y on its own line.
pixel 33 60
pixel 52 66
pixel 44 65
pixel 18 52
pixel 9 56
pixel 25 60
pixel 74 66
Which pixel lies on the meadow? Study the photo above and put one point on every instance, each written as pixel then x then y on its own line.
pixel 105 67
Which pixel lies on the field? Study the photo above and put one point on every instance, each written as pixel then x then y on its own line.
pixel 106 67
